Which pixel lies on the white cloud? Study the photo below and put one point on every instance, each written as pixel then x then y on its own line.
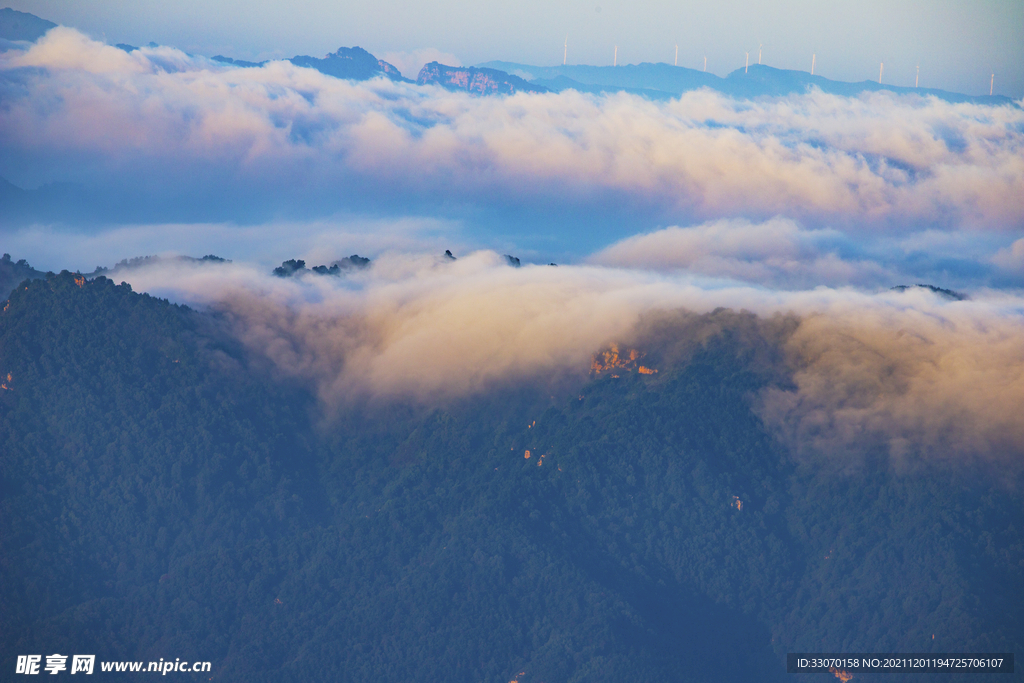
pixel 1011 259
pixel 776 253
pixel 161 124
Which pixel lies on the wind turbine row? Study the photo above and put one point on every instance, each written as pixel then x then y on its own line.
pixel 760 49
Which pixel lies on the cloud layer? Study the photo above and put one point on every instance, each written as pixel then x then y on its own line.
pixel 776 253
pixel 170 132
pixel 910 373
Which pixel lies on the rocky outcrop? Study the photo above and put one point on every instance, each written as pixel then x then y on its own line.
pixel 390 71
pixel 475 80
pixel 614 360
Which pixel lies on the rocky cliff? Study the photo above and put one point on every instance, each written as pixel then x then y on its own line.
pixel 475 80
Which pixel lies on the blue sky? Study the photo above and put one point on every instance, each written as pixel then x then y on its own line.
pixel 957 44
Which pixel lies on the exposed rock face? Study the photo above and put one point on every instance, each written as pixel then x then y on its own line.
pixel 353 63
pixel 475 80
pixel 390 71
pixel 614 360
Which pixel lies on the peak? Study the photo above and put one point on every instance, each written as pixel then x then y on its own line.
pixel 475 80
pixel 15 25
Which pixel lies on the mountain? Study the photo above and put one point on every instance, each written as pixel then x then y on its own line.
pixel 658 80
pixel 480 81
pixel 353 63
pixel 765 80
pixel 661 81
pixel 165 494
pixel 237 62
pixel 15 25
pixel 14 273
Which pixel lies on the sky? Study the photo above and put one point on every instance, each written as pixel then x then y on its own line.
pixel 958 44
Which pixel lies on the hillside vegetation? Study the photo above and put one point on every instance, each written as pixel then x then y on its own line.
pixel 163 495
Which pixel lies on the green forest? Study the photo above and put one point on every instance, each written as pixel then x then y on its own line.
pixel 166 494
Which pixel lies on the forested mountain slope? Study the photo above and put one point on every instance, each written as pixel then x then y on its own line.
pixel 164 495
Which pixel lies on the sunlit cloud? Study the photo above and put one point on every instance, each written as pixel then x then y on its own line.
pixel 774 253
pixel 913 373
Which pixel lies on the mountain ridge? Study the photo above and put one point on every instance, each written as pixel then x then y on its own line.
pixel 662 81
pixel 656 81
pixel 19 26
pixel 476 80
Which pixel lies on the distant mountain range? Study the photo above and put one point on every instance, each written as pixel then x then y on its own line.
pixel 353 63
pixel 654 81
pixel 664 81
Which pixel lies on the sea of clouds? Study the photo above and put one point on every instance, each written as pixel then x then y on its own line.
pixel 808 206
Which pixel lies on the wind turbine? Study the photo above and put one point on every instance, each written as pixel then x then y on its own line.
pixel 759 53
pixel 813 56
pixel 746 64
pixel 565 50
pixel 705 63
pixel 917 78
pixel 676 63
pixel 991 85
pixel 615 60
pixel 881 65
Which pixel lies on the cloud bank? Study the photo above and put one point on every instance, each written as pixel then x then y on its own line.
pixel 161 133
pixel 776 253
pixel 911 374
